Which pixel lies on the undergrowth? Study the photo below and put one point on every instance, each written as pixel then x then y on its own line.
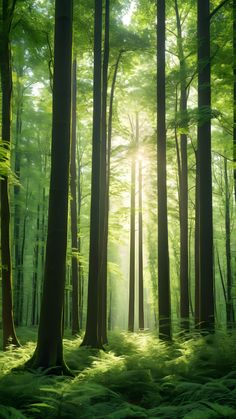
pixel 136 377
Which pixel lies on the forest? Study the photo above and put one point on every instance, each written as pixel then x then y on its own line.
pixel 117 209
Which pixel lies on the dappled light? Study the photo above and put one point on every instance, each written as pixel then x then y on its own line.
pixel 195 378
pixel 117 209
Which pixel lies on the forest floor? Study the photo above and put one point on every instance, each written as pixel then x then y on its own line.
pixel 136 377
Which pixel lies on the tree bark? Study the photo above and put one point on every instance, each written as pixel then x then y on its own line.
pixel 140 236
pixel 91 337
pixel 35 273
pixel 81 272
pixel 163 251
pixel 132 249
pixel 205 176
pixel 9 334
pixel 73 211
pixel 196 245
pixel 17 208
pixel 49 350
pixel 104 185
pixel 229 302
pixel 183 183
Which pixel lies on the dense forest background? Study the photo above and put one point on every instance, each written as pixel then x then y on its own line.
pixel 117 164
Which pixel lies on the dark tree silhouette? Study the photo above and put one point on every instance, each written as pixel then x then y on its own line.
pixel 102 324
pixel 92 338
pixel 132 248
pixel 49 350
pixel 9 334
pixel 73 211
pixel 183 181
pixel 206 304
pixel 163 251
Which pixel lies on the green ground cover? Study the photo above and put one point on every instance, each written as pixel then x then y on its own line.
pixel 137 376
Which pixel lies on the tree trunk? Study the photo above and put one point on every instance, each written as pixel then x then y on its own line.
pixel 104 186
pixel 35 273
pixel 205 176
pixel 9 335
pixel 132 249
pixel 17 208
pixel 140 237
pixel 183 183
pixel 73 211
pixel 49 350
pixel 196 245
pixel 81 273
pixel 229 303
pixel 163 252
pixel 91 337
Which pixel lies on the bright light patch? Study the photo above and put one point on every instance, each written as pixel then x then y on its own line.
pixel 37 89
pixel 126 19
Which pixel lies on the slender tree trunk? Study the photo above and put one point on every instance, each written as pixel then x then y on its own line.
pixel 140 237
pixel 81 273
pixel 104 186
pixel 163 252
pixel 205 176
pixel 43 238
pixel 229 304
pixel 183 183
pixel 35 273
pixel 196 245
pixel 17 208
pixel 9 335
pixel 20 273
pixel 132 249
pixel 91 337
pixel 73 211
pixel 49 350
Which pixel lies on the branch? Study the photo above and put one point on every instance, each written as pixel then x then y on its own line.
pixel 216 10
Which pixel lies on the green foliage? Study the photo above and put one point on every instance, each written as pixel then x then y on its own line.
pixel 138 376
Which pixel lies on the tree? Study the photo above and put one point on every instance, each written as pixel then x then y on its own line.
pixel 73 211
pixel 163 252
pixel 49 350
pixel 140 236
pixel 104 184
pixel 91 337
pixel 229 300
pixel 9 335
pixel 132 242
pixel 183 179
pixel 206 304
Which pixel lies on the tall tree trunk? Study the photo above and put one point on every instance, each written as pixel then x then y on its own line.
pixel 92 337
pixel 104 186
pixel 17 208
pixel 43 238
pixel 183 183
pixel 229 303
pixel 196 245
pixel 9 335
pixel 140 237
pixel 163 251
pixel 73 211
pixel 81 272
pixel 205 176
pixel 20 273
pixel 35 273
pixel 132 249
pixel 49 350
